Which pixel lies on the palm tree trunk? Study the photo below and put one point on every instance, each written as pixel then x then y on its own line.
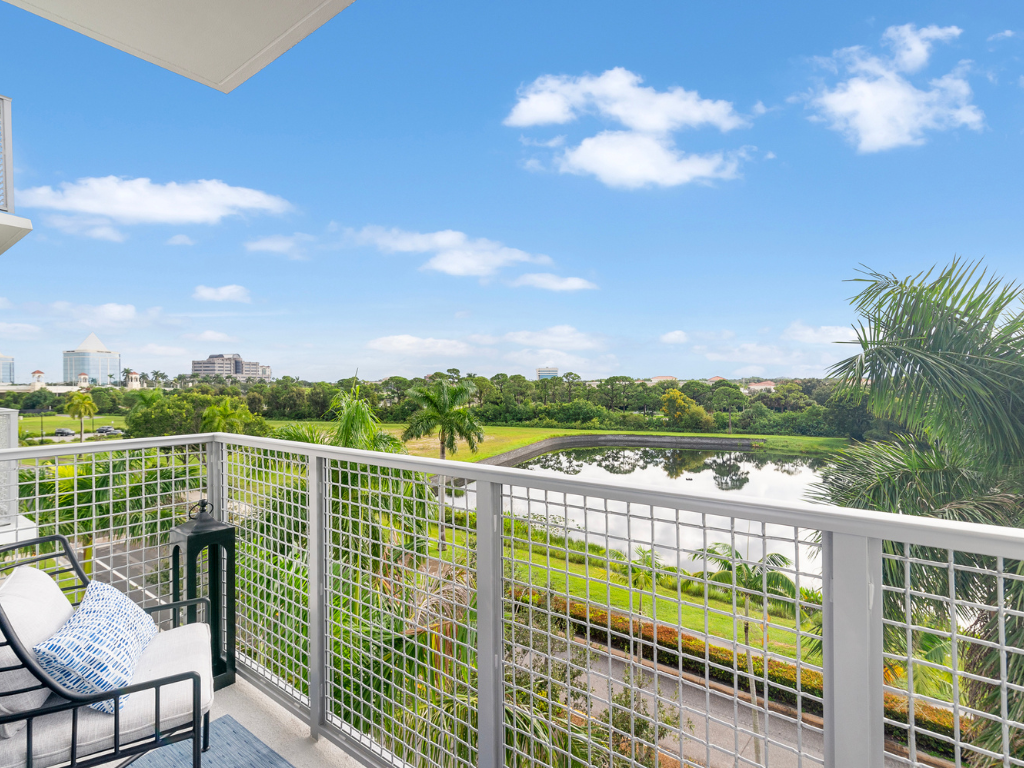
pixel 81 424
pixel 753 685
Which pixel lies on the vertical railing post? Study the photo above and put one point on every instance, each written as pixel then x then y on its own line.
pixel 852 633
pixel 8 469
pixel 316 500
pixel 216 478
pixel 490 594
pixel 6 157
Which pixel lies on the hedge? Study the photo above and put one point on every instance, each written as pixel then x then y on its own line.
pixel 692 654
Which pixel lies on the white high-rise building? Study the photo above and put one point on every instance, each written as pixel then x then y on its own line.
pixel 101 366
pixel 6 370
pixel 547 373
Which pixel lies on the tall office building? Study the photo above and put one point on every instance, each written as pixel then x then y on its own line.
pixel 99 364
pixel 6 370
pixel 230 367
pixel 547 373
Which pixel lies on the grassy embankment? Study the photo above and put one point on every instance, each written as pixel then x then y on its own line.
pixel 502 439
pixel 601 587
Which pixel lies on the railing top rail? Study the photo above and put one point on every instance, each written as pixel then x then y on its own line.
pixel 947 534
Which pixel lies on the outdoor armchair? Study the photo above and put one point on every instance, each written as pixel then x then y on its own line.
pixel 170 694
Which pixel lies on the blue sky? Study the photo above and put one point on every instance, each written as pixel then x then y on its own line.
pixel 679 189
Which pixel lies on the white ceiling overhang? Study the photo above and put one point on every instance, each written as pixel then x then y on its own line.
pixel 220 43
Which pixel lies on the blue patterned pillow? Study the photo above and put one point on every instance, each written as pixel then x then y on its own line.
pixel 99 646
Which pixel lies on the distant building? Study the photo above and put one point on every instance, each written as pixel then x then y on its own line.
pixel 6 370
pixel 713 379
pixel 547 373
pixel 761 386
pixel 99 364
pixel 230 367
pixel 133 381
pixel 659 379
pixel 37 381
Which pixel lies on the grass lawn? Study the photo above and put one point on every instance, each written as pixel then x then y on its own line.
pixel 502 439
pixel 29 425
pixel 601 588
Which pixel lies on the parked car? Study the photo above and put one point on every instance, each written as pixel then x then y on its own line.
pixel 63 432
pixel 104 430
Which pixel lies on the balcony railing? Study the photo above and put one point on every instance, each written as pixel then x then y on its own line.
pixel 6 152
pixel 564 622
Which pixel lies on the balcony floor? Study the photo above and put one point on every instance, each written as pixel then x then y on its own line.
pixel 277 728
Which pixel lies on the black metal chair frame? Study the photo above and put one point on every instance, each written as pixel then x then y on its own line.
pixel 198 730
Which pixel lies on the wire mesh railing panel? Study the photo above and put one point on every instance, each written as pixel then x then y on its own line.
pixel 116 508
pixel 651 636
pixel 267 498
pixel 953 643
pixel 400 587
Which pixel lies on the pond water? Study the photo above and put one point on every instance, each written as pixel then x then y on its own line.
pixel 760 474
pixel 676 533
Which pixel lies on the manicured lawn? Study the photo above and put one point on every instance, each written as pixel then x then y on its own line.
pixel 502 439
pixel 29 425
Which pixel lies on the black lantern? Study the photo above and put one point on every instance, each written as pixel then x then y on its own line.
pixel 204 532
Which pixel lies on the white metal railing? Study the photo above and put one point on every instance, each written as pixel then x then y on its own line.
pixel 566 622
pixel 6 154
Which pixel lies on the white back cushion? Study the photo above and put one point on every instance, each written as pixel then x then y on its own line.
pixel 36 610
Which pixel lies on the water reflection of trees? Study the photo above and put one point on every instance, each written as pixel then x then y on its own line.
pixel 731 469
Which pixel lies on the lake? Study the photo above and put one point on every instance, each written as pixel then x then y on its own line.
pixel 760 474
pixel 676 533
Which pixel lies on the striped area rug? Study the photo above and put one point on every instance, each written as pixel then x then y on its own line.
pixel 231 746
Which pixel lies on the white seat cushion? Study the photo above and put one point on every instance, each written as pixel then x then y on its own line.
pixel 185 649
pixel 36 609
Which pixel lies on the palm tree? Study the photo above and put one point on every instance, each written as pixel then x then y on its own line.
pixel 763 579
pixel 943 355
pixel 124 376
pixel 81 406
pixel 147 397
pixel 641 572
pixel 225 416
pixel 444 407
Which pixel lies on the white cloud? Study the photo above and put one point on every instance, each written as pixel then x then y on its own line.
pixel 405 344
pixel 94 204
pixel 159 351
pixel 645 153
pixel 536 358
pixel 563 337
pixel 140 201
pixel 912 47
pixel 549 144
pixel 631 160
pixel 674 337
pixel 878 108
pixel 483 338
pixel 1005 34
pixel 224 293
pixel 454 253
pixel 759 108
pixel 822 334
pixel 103 315
pixel 548 282
pixel 769 155
pixel 87 226
pixel 18 331
pixel 292 246
pixel 618 94
pixel 210 336
pixel 181 240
